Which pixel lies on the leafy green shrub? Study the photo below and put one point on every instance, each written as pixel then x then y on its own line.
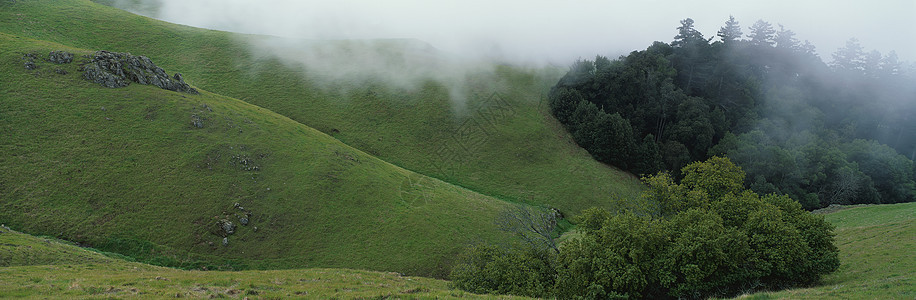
pixel 709 237
pixel 489 269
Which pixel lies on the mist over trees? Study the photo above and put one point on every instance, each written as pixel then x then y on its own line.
pixel 822 133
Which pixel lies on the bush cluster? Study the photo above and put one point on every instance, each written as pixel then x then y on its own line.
pixel 709 236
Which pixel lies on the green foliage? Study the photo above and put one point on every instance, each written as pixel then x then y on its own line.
pixel 875 243
pixel 670 197
pixel 704 257
pixel 764 102
pixel 731 32
pixel 892 173
pixel 711 237
pixel 717 176
pixel 618 259
pixel 592 219
pixel 489 269
pixel 823 170
pixel 608 137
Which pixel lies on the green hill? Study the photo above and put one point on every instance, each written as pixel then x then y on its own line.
pixel 33 267
pixel 125 170
pixel 876 254
pixel 500 141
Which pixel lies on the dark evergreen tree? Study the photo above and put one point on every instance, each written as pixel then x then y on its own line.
pixel 770 104
pixel 731 32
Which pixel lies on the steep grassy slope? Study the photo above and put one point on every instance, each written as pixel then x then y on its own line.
pixel 125 170
pixel 876 254
pixel 500 140
pixel 32 267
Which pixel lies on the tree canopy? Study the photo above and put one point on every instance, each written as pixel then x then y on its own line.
pixel 767 101
pixel 709 237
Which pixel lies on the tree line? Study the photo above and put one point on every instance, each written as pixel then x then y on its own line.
pixel 820 133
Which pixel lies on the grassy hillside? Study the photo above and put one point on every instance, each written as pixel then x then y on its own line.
pixel 124 170
pixel 499 141
pixel 34 267
pixel 876 255
pixel 874 241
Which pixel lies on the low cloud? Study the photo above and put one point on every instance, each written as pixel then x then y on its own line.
pixel 441 37
pixel 545 31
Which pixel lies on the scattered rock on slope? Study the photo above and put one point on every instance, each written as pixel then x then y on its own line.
pixel 29 59
pixel 227 227
pixel 60 57
pixel 114 70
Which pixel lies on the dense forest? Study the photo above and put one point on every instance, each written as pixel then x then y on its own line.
pixel 819 133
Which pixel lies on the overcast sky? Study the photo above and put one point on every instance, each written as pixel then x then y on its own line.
pixel 553 31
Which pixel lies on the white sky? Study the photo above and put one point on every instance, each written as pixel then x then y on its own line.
pixel 554 31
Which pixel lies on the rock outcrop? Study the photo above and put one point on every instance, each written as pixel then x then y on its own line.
pixel 60 57
pixel 114 70
pixel 227 227
pixel 29 59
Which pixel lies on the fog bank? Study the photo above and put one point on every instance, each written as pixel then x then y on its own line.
pixel 546 31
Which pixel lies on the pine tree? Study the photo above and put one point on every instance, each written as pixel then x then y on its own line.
pixel 731 32
pixel 762 33
pixel 850 57
pixel 687 35
pixel 785 39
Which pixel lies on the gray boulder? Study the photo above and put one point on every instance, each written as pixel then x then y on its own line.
pixel 107 79
pixel 197 121
pixel 227 226
pixel 60 57
pixel 113 70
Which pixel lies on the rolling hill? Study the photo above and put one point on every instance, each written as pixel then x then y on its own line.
pixel 378 186
pixel 125 170
pixel 328 170
pixel 499 139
